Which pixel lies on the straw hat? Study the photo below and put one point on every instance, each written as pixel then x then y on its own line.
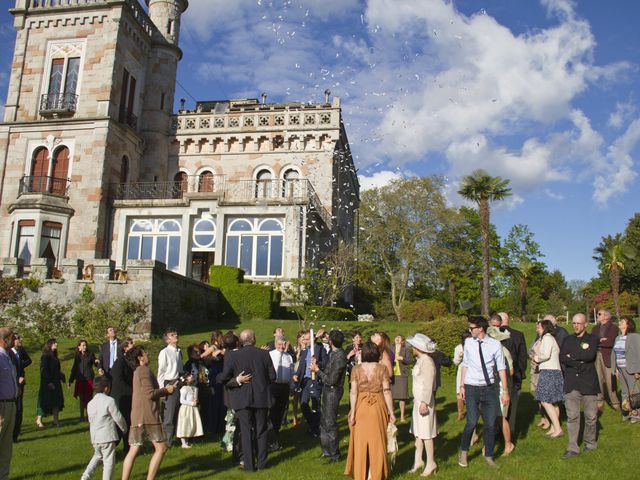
pixel 423 343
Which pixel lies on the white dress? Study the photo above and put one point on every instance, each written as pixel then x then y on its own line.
pixel 189 423
pixel 424 386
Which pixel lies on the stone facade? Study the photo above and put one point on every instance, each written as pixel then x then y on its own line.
pixel 96 166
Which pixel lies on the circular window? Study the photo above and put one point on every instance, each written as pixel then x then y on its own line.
pixel 204 233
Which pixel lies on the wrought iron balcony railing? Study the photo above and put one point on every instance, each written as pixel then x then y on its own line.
pixel 293 191
pixel 58 103
pixel 57 187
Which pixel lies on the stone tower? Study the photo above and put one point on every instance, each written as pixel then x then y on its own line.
pixel 161 81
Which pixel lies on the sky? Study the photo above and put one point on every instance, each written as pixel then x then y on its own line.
pixel 545 93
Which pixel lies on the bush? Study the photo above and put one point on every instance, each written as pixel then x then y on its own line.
pixel 422 310
pixel 91 319
pixel 446 331
pixel 39 320
pixel 329 314
pixel 11 290
pixel 32 283
pixel 224 276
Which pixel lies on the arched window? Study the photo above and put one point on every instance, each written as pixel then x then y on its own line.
pixel 204 233
pixel 180 184
pixel 124 170
pixel 263 184
pixel 39 170
pixel 291 183
pixel 205 182
pixel 155 239
pixel 256 246
pixel 59 171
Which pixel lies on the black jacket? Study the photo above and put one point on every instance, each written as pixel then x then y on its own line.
pixel 335 369
pixel 518 351
pixel 105 354
pixel 82 368
pixel 121 379
pixel 578 357
pixel 20 361
pixel 257 362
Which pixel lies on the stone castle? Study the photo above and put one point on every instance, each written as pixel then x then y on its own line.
pixel 97 170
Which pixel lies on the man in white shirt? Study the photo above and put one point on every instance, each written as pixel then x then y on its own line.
pixel 108 351
pixel 481 358
pixel 283 365
pixel 169 371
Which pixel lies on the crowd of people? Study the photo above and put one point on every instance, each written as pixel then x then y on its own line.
pixel 244 392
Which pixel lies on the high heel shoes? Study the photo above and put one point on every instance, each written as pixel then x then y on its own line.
pixel 431 471
pixel 416 468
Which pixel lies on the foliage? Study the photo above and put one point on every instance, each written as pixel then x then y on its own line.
pixel 446 331
pixel 243 300
pixel 400 223
pixel 91 319
pixel 10 290
pixel 224 275
pixel 39 320
pixel 320 314
pixel 31 283
pixel 424 310
pixel 481 188
pixel 612 254
pixel 626 301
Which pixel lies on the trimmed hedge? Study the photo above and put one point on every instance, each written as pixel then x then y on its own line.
pixel 422 310
pixel 446 331
pixel 329 314
pixel 224 275
pixel 243 300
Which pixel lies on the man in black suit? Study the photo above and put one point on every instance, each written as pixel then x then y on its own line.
pixel 109 351
pixel 518 350
pixel 310 386
pixel 21 360
pixel 251 400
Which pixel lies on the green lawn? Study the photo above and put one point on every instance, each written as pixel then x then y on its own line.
pixel 63 452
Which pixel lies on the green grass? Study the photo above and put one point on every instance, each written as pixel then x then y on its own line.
pixel 63 452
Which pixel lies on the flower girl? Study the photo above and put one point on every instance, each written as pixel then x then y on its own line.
pixel 189 423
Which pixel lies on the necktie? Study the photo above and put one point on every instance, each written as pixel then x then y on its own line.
pixel 279 371
pixel 484 367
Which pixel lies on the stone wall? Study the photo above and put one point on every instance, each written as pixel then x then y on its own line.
pixel 173 300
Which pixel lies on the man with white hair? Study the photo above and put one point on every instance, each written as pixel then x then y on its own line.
pixel 520 356
pixel 606 332
pixel 283 365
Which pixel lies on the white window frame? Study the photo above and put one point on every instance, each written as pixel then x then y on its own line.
pixel 255 232
pixel 66 49
pixel 155 233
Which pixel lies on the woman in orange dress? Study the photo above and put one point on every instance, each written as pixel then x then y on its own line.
pixel 371 411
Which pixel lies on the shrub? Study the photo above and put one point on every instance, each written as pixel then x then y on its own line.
pixel 422 310
pixel 224 275
pixel 329 314
pixel 39 320
pixel 91 319
pixel 243 300
pixel 10 290
pixel 446 331
pixel 32 283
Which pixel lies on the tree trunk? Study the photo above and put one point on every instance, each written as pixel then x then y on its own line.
pixel 523 298
pixel 615 288
pixel 484 227
pixel 452 296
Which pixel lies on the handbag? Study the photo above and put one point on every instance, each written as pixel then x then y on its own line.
pixel 632 401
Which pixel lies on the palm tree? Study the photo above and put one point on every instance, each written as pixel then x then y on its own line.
pixel 482 188
pixel 612 254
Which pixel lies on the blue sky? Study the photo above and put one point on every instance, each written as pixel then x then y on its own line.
pixel 544 93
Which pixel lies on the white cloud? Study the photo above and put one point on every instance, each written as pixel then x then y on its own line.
pixel 621 114
pixel 553 194
pixel 378 179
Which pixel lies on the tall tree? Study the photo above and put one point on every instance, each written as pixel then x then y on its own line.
pixel 630 276
pixel 399 225
pixel 611 254
pixel 482 188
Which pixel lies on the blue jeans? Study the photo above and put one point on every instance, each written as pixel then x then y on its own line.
pixel 481 401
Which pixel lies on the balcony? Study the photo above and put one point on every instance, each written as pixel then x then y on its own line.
pixel 229 192
pixel 127 117
pixel 57 187
pixel 58 104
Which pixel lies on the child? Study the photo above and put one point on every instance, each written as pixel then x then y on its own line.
pixel 103 415
pixel 189 423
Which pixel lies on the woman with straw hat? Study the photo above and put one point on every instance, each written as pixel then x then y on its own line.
pixel 424 425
